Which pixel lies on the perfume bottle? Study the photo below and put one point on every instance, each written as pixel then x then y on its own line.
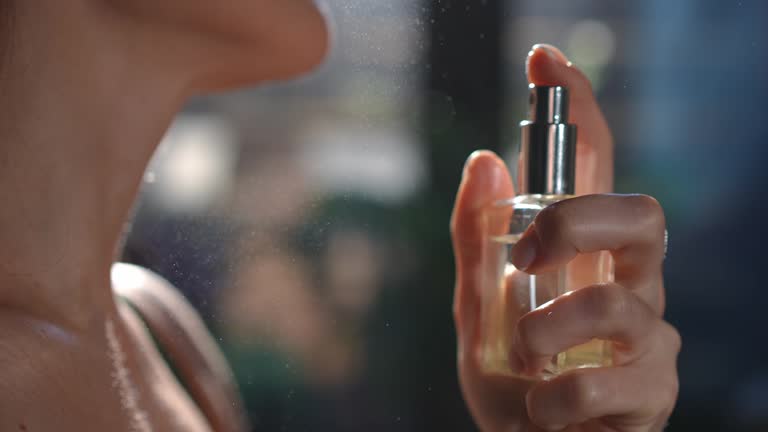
pixel 546 175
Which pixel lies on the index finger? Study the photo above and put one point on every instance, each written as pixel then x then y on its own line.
pixel 630 226
pixel 546 65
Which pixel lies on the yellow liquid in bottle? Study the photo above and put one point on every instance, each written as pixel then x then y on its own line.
pixel 510 294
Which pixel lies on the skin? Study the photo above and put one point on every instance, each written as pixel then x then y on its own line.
pixel 88 89
pixel 638 393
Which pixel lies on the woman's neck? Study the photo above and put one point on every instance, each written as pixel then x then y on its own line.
pixel 83 108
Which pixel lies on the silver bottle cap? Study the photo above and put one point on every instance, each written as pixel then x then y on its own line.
pixel 548 146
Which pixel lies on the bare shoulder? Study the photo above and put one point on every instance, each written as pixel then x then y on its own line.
pixel 184 338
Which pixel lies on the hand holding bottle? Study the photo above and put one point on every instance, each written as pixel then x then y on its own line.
pixel 639 391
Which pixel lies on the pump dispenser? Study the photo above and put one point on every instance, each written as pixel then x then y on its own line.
pixel 548 146
pixel 547 172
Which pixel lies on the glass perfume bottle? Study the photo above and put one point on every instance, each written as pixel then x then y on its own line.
pixel 546 176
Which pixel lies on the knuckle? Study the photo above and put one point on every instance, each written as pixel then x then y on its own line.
pixel 608 301
pixel 673 390
pixel 667 397
pixel 671 338
pixel 648 209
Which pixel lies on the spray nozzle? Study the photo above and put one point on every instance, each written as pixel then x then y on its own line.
pixel 548 148
pixel 548 104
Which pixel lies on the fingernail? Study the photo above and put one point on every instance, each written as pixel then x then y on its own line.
pixel 469 160
pixel 524 252
pixel 553 52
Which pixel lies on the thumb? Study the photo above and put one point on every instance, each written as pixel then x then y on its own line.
pixel 485 181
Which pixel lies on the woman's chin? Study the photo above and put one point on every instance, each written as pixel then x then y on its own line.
pixel 312 47
pixel 296 44
pixel 281 42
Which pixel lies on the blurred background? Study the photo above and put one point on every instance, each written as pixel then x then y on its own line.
pixel 308 221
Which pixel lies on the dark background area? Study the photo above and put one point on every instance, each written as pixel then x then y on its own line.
pixel 320 257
